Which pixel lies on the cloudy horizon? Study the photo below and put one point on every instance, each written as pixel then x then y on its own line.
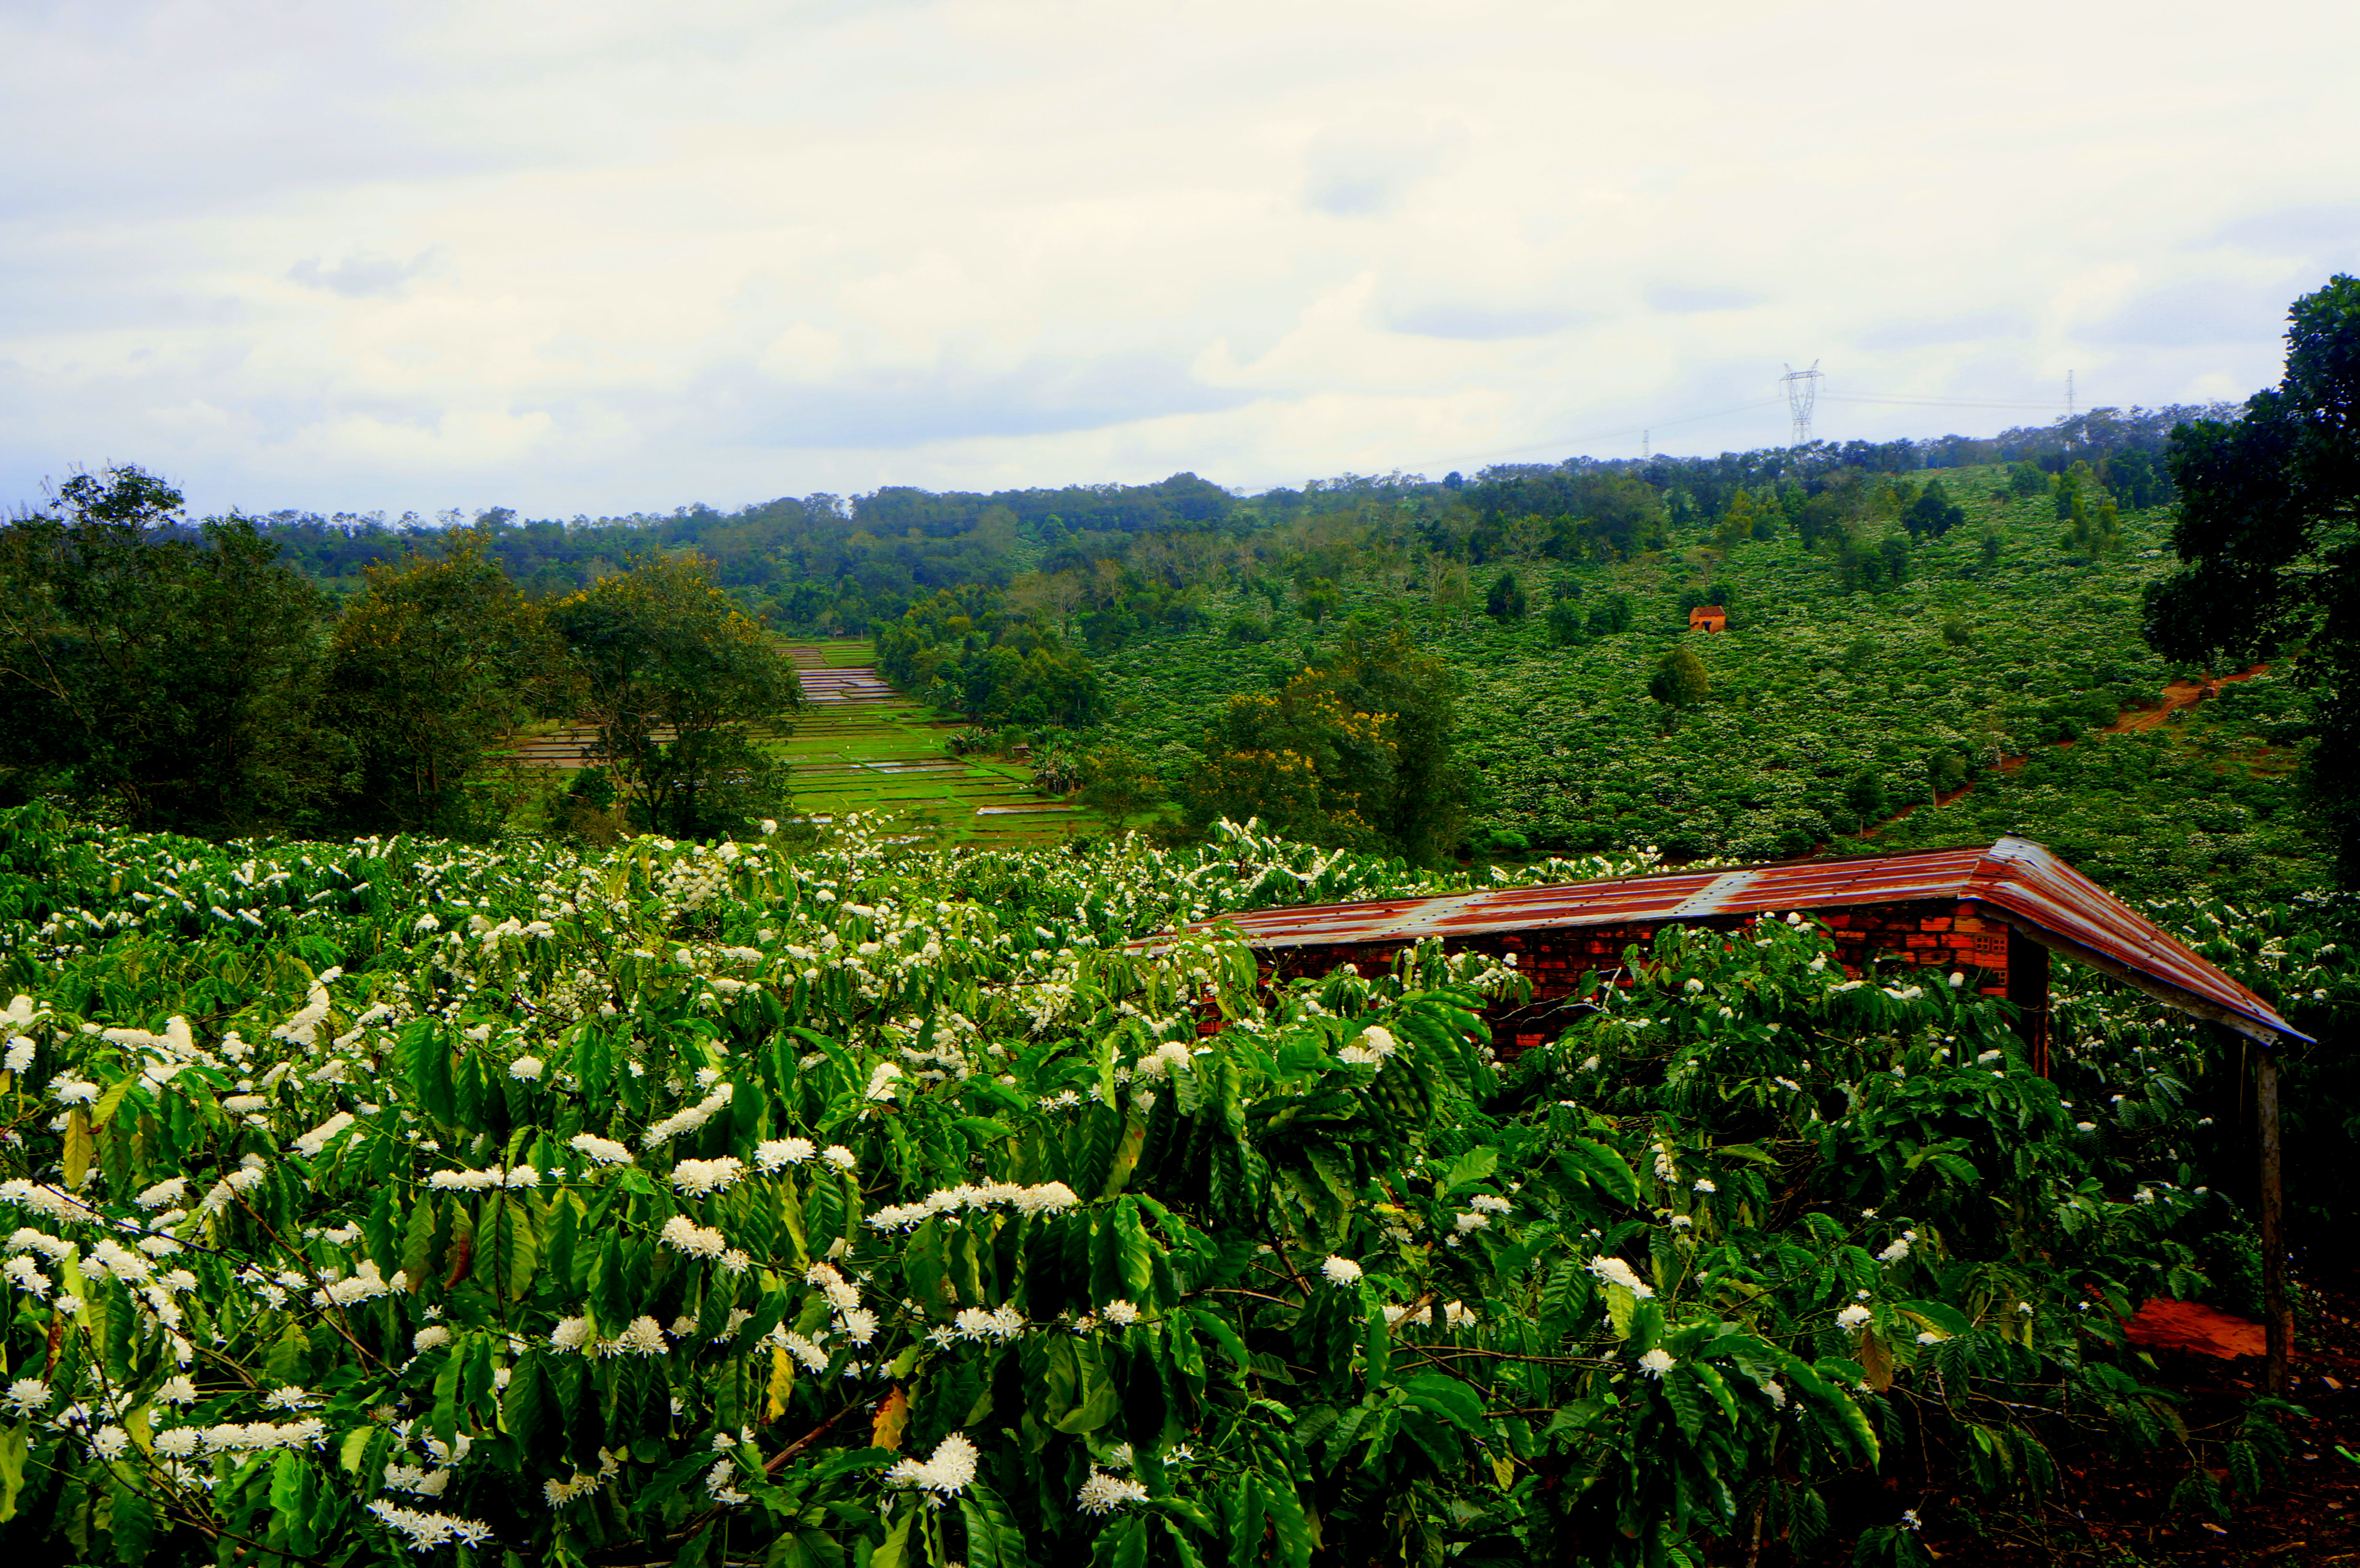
pixel 606 258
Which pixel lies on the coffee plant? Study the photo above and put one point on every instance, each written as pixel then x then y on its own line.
pixel 876 1207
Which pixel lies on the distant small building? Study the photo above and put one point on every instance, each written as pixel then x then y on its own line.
pixel 1708 618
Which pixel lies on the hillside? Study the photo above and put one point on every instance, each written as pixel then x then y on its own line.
pixel 1823 701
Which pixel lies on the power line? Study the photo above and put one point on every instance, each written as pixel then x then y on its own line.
pixel 1938 402
pixel 1560 443
pixel 1798 386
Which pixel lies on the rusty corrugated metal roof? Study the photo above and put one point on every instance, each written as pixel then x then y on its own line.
pixel 2015 879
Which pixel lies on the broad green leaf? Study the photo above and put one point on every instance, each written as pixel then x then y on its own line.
pixel 418 1243
pixel 130 1518
pixel 993 1538
pixel 1603 1168
pixel 13 1450
pixel 79 1147
pixel 1136 1258
pixel 894 1549
pixel 1121 1544
pixel 1449 1398
pixel 111 1101
pixel 1467 1169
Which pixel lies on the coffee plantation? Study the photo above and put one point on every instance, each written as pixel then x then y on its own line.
pixel 877 1206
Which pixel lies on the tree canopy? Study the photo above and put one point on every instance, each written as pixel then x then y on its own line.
pixel 160 672
pixel 2268 537
pixel 428 668
pixel 670 672
pixel 1352 750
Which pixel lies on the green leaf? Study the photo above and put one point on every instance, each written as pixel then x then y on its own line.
pixel 993 1538
pixel 1182 1547
pixel 1241 1519
pixel 1122 1545
pixel 1467 1169
pixel 895 1548
pixel 1621 1307
pixel 449 1385
pixel 1842 1420
pixel 1680 1391
pixel 1136 1257
pixel 1289 1521
pixel 1101 1400
pixel 611 1296
pixel 1717 1389
pixel 131 1518
pixel 430 1071
pixel 111 1101
pixel 525 1402
pixel 1449 1398
pixel 418 1243
pixel 1605 1170
pixel 517 1248
pixel 1223 1335
pixel 13 1450
pixel 1938 1315
pixel 291 1500
pixel 79 1145
pixel 286 1363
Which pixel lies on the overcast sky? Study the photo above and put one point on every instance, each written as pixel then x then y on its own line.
pixel 593 257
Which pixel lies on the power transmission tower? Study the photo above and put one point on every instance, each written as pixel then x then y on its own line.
pixel 1802 391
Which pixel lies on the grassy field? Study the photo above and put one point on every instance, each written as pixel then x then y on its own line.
pixel 859 745
pixel 862 746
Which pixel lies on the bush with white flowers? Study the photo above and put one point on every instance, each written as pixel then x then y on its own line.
pixel 584 1220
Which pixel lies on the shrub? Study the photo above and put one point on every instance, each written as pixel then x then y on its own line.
pixel 1567 626
pixel 1505 601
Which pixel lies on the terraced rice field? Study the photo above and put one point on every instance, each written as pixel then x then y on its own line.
pixel 860 746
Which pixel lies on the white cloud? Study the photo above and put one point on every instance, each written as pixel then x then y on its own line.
pixel 605 256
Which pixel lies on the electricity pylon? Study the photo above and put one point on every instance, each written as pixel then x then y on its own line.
pixel 1802 391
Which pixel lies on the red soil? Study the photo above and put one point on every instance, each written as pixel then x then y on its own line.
pixel 2177 696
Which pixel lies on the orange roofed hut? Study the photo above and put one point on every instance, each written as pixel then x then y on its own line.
pixel 1708 618
pixel 1995 912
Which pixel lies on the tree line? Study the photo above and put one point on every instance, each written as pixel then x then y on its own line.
pixel 1106 561
pixel 172 675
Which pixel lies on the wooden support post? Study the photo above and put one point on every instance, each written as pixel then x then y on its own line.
pixel 2027 991
pixel 2278 1318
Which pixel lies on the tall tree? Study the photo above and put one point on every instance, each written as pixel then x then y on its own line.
pixel 673 675
pixel 437 659
pixel 2268 537
pixel 1356 749
pixel 163 670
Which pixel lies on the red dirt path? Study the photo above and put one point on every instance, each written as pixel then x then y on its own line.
pixel 2177 696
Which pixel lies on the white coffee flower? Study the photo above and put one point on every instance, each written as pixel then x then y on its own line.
pixel 1340 1271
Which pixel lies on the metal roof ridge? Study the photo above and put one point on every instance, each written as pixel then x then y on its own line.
pixel 2163 957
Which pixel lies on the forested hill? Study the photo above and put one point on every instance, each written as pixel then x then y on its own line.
pixel 825 563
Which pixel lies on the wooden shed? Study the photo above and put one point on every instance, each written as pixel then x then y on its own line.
pixel 1995 912
pixel 1708 618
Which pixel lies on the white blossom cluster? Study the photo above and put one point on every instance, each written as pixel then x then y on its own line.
pixel 1048 1198
pixel 946 1472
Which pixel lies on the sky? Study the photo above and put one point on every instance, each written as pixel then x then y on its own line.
pixel 594 257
